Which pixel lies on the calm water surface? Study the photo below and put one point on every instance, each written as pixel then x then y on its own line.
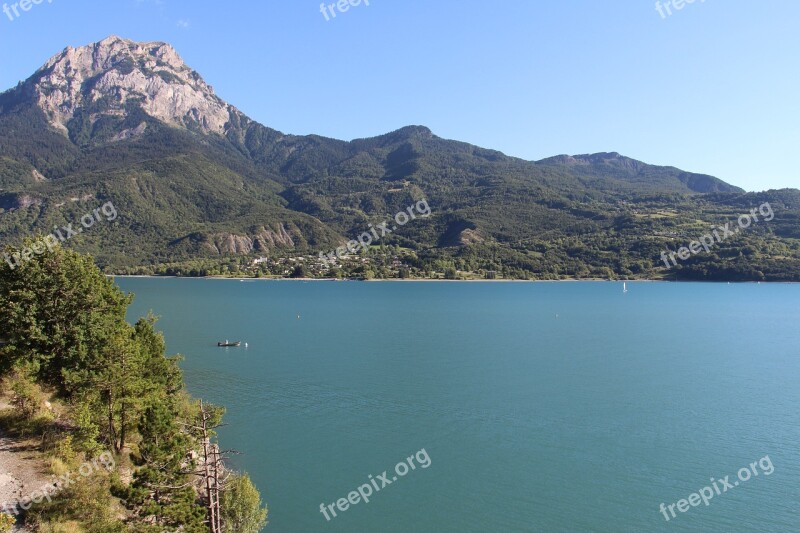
pixel 542 406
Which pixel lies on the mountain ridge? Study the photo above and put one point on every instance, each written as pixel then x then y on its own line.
pixel 115 65
pixel 131 121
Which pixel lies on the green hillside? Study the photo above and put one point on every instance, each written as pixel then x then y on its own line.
pixel 189 196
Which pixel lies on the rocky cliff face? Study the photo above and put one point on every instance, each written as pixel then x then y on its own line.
pixel 262 241
pixel 108 78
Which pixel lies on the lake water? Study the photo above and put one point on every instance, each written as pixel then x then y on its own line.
pixel 541 406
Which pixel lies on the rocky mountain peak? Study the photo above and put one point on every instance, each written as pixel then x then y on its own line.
pixel 104 79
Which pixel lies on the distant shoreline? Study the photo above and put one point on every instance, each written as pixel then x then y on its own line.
pixel 396 280
pixel 392 280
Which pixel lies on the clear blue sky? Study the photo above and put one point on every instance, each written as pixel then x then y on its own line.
pixel 713 88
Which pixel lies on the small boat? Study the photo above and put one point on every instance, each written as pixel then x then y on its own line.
pixel 624 287
pixel 227 344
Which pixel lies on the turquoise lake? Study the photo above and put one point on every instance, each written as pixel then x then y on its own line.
pixel 541 406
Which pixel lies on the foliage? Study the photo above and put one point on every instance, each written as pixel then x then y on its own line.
pixel 242 508
pixel 194 205
pixel 86 502
pixel 65 329
pixel 27 395
pixel 57 311
pixel 6 522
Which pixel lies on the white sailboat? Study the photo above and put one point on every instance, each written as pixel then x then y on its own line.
pixel 624 287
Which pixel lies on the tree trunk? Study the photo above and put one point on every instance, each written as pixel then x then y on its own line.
pixel 112 431
pixel 213 517
pixel 121 429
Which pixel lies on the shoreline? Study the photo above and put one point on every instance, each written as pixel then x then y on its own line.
pixel 396 280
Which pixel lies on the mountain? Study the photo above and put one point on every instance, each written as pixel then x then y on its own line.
pixel 101 83
pixel 195 179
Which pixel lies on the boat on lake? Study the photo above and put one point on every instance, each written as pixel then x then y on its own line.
pixel 226 344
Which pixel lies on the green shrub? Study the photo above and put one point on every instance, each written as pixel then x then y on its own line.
pixel 6 522
pixel 27 396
